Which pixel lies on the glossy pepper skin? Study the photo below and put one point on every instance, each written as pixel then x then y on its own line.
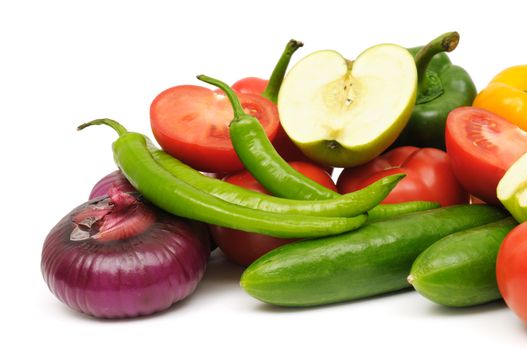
pixel 175 196
pixel 506 95
pixel 442 87
pixel 260 157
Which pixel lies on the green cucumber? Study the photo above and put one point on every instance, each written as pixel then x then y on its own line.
pixel 460 269
pixel 372 260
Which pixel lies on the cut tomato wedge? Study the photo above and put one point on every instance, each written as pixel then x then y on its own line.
pixel 192 124
pixel 482 146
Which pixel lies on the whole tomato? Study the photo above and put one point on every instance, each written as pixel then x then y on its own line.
pixel 511 270
pixel 244 247
pixel 429 176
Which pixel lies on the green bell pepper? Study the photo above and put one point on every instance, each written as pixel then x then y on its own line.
pixel 442 87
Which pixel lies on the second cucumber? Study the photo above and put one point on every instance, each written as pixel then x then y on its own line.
pixel 460 269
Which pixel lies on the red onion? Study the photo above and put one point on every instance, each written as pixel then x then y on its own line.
pixel 115 178
pixel 117 256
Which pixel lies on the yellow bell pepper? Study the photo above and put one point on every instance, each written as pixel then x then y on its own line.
pixel 506 95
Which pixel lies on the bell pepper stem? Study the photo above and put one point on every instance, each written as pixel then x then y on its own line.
pixel 231 95
pixel 121 130
pixel 273 87
pixel 443 43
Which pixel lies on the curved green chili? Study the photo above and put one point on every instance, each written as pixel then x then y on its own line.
pixel 260 157
pixel 350 204
pixel 179 198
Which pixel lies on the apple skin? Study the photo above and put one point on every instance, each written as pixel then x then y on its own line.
pixel 335 154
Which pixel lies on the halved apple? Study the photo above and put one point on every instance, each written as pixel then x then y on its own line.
pixel 342 113
pixel 512 189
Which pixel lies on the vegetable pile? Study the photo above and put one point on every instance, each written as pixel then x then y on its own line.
pixel 419 147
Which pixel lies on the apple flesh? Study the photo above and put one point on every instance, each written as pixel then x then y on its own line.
pixel 512 189
pixel 342 113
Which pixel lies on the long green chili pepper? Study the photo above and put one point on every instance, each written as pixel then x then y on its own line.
pixel 350 204
pixel 179 198
pixel 389 211
pixel 261 159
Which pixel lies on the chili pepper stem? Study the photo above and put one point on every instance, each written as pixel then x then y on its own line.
pixel 273 87
pixel 443 43
pixel 121 130
pixel 235 102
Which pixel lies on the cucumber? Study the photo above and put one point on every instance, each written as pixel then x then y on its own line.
pixel 460 269
pixel 372 260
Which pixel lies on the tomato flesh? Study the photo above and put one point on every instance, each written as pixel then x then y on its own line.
pixel 192 124
pixel 482 146
pixel 244 247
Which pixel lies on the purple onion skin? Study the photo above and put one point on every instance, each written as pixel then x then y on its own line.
pixel 115 178
pixel 129 277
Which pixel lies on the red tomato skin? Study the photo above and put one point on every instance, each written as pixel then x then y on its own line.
pixel 352 179
pixel 511 271
pixel 429 176
pixel 243 247
pixel 209 154
pixel 480 168
pixel 315 173
pixel 250 85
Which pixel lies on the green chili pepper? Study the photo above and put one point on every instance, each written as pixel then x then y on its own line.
pixel 389 211
pixel 350 204
pixel 179 198
pixel 442 87
pixel 261 159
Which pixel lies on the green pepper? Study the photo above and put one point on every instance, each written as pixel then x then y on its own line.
pixel 346 205
pixel 170 193
pixel 442 87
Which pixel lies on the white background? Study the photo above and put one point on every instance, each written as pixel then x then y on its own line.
pixel 63 63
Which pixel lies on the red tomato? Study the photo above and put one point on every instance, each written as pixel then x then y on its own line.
pixel 482 146
pixel 250 85
pixel 429 176
pixel 192 124
pixel 243 247
pixel 511 270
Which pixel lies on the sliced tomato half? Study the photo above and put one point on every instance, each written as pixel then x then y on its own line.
pixel 482 146
pixel 192 124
